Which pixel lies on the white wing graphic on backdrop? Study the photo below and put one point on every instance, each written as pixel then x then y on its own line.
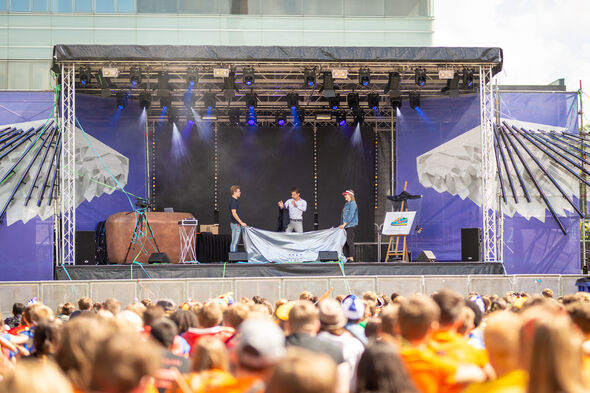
pixel 455 167
pixel 93 180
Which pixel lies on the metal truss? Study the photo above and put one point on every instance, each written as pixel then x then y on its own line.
pixel 492 251
pixel 68 165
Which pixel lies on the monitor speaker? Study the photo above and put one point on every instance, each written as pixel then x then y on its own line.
pixel 470 244
pixel 426 256
pixel 327 256
pixel 85 248
pixel 158 257
pixel 238 257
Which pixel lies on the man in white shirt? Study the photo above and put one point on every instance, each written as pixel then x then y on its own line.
pixel 296 206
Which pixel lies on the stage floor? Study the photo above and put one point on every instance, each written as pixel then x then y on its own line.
pixel 241 270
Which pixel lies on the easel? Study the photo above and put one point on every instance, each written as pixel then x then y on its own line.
pixel 396 252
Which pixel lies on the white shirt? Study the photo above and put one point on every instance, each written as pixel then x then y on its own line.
pixel 296 213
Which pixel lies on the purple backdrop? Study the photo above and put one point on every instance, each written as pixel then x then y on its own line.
pixel 531 247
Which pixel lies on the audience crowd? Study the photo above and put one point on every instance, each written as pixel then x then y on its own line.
pixel 371 343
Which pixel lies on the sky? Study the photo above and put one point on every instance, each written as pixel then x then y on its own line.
pixel 542 40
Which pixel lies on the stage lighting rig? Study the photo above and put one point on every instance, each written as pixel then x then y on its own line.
pixel 293 100
pixel 353 101
pixel 165 101
pixel 105 84
pixel 281 118
pixel 467 77
pixel 234 115
pixel 309 77
pixel 163 84
pixel 359 116
pixel 414 99
pixel 192 76
pixel 364 76
pixel 85 76
pixel 209 100
pixel 229 85
pixel 393 82
pixel 420 76
pixel 251 100
pixel 395 99
pixel 334 102
pixel 328 87
pixel 145 100
pixel 248 76
pixel 172 115
pixel 341 118
pixel 122 99
pixel 452 87
pixel 189 99
pixel 373 100
pixel 134 76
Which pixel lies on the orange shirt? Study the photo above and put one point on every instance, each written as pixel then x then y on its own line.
pixel 586 370
pixel 250 384
pixel 453 345
pixel 431 373
pixel 207 380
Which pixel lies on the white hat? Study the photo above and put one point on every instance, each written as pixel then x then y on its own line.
pixel 353 307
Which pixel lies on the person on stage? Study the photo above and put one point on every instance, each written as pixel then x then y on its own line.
pixel 236 222
pixel 296 206
pixel 350 219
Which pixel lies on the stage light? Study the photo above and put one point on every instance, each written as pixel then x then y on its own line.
pixel 364 76
pixel 340 73
pixel 248 76
pixel 446 74
pixel 165 101
pixel 298 116
pixel 341 118
pixel 234 116
pixel 209 100
pixel 122 99
pixel 191 78
pixel 221 72
pixel 373 100
pixel 323 116
pixel 414 99
pixel 309 77
pixel 172 115
pixel 229 85
pixel 334 102
pixel 85 76
pixel 393 82
pixel 353 101
pixel 134 76
pixel 209 114
pixel 328 87
pixel 292 100
pixel 189 99
pixel 420 76
pixel 163 85
pixel 145 100
pixel 105 84
pixel 281 118
pixel 359 116
pixel 110 72
pixel 395 99
pixel 251 100
pixel 467 77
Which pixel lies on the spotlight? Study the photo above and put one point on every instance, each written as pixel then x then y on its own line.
pixel 105 84
pixel 395 99
pixel 234 116
pixel 467 77
pixel 298 116
pixel 292 100
pixel 359 116
pixel 328 87
pixel 281 118
pixel 209 100
pixel 248 76
pixel 252 121
pixel 251 100
pixel 189 99
pixel 353 101
pixel 414 99
pixel 85 76
pixel 165 101
pixel 341 118
pixel 122 100
pixel 163 85
pixel 172 116
pixel 145 100
pixel 134 76
pixel 334 102
pixel 393 82
pixel 420 76
pixel 191 78
pixel 364 76
pixel 373 100
pixel 229 85
pixel 309 77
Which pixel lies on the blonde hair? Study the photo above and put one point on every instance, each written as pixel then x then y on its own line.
pixel 210 353
pixel 233 189
pixel 35 376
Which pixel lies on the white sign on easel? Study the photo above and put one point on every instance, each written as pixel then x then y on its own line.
pixel 398 223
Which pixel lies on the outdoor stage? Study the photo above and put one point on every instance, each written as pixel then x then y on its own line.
pixel 241 270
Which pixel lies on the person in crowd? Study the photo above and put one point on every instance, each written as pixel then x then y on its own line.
pixel 502 341
pixel 113 306
pixel 84 305
pixel 390 325
pixel 167 305
pixel 66 310
pixel 35 376
pixel 350 219
pixel 467 323
pixel 46 340
pixel 163 332
pixel 14 320
pixel 579 312
pixel 354 311
pixel 236 222
pixel 547 292
pixel 296 207
pixel 373 329
pixel 302 371
pixel 381 369
pixel 209 318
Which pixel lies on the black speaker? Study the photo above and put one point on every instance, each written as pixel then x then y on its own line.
pixel 426 256
pixel 470 244
pixel 327 256
pixel 238 257
pixel 85 248
pixel 158 257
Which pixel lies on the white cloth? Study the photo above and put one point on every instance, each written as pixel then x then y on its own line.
pixel 296 213
pixel 351 347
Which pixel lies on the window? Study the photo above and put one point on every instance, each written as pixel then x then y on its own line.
pixel 126 6
pixel 62 5
pixel 41 5
pixel 19 6
pixel 104 6
pixel 157 6
pixel 198 7
pixel 83 5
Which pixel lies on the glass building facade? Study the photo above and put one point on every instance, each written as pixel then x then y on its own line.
pixel 30 28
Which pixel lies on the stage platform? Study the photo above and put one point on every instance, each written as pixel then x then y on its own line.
pixel 241 270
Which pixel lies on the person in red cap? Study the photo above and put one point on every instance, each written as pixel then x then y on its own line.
pixel 350 219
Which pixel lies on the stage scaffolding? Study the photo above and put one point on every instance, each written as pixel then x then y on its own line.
pixel 278 72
